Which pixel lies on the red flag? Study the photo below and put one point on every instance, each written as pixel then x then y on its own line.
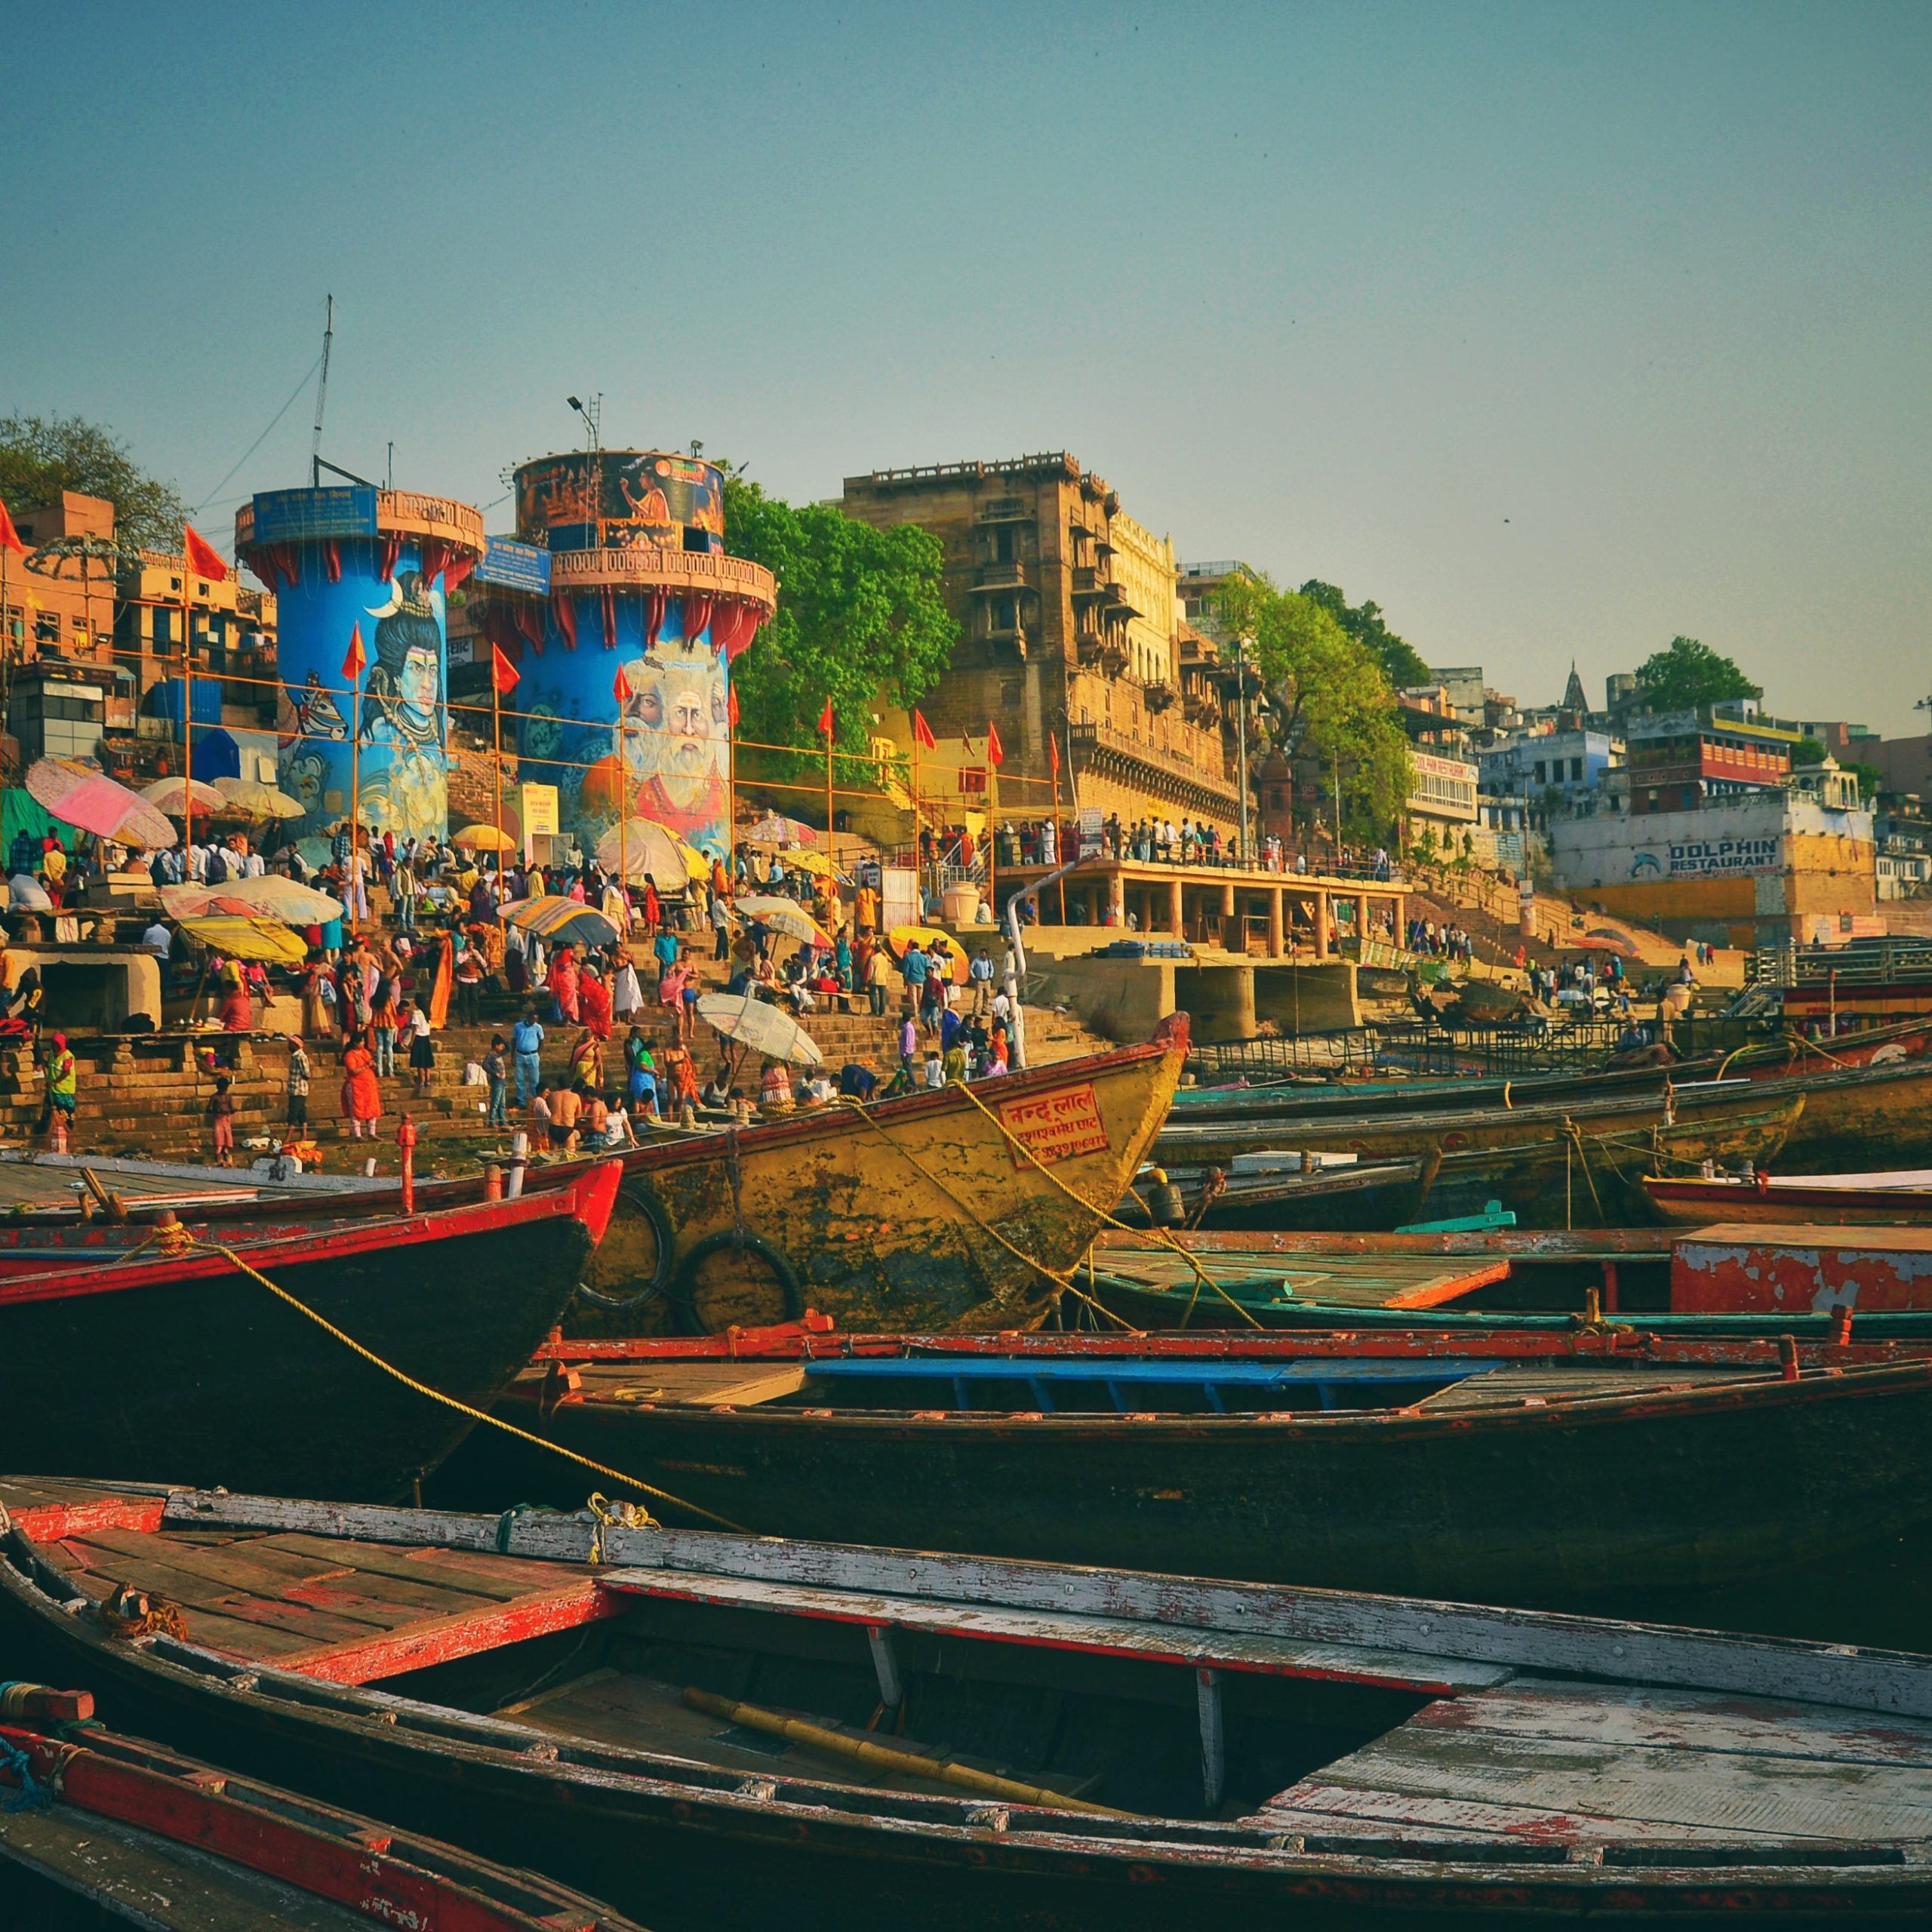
pixel 620 688
pixel 10 537
pixel 825 718
pixel 204 559
pixel 731 708
pixel 922 733
pixel 995 754
pixel 502 673
pixel 355 664
pixel 1053 756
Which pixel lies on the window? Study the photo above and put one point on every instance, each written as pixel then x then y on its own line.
pixel 47 627
pixel 1540 772
pixel 1575 767
pixel 1003 551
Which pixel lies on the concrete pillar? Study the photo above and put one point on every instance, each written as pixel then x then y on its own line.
pixel 1117 897
pixel 1324 938
pixel 1177 911
pixel 1276 943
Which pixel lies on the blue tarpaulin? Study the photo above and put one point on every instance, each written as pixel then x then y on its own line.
pixel 216 756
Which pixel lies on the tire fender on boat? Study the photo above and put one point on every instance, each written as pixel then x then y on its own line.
pixel 684 1295
pixel 639 1197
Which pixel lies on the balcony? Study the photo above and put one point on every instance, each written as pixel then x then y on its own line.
pixel 1090 586
pixel 1008 574
pixel 1004 509
pixel 1112 754
pixel 1158 696
pixel 1113 657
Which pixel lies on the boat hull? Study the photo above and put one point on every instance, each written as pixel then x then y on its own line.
pixel 1553 1504
pixel 194 1371
pixel 1860 1118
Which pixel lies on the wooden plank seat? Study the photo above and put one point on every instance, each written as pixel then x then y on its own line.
pixel 1135 1387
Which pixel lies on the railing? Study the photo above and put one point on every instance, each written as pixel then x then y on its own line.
pixel 1863 962
pixel 1502 1052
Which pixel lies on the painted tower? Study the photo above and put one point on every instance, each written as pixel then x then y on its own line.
pixel 361 575
pixel 625 704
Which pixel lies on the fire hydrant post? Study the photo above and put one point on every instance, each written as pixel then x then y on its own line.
pixel 405 1139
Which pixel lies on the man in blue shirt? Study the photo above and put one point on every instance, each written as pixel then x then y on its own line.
pixel 913 969
pixel 526 1046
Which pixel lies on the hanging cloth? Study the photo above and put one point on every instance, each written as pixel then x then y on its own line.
pixel 697 616
pixel 563 612
pixel 654 617
pixel 332 561
pixel 610 618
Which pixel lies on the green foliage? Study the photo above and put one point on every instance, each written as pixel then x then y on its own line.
pixel 41 456
pixel 1871 778
pixel 1400 663
pixel 1808 751
pixel 859 616
pixel 1689 674
pixel 1334 701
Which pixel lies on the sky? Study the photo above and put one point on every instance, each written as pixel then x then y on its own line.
pixel 1557 330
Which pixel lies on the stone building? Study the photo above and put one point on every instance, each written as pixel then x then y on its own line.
pixel 1071 628
pixel 62 616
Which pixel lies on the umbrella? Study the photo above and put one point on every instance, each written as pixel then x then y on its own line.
pixel 562 920
pixel 775 829
pixel 816 864
pixel 270 897
pixel 762 1028
pixel 646 846
pixel 783 916
pixel 251 797
pixel 78 795
pixel 171 795
pixel 484 839
pixel 900 937
pixel 249 939
pixel 1602 939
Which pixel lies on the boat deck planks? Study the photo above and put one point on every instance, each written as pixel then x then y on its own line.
pixel 694 1385
pixel 1518 1383
pixel 1583 1762
pixel 1346 1281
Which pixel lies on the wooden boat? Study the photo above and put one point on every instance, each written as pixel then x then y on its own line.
pixel 953 1208
pixel 714 1729
pixel 1361 1194
pixel 1879 1116
pixel 1549 1169
pixel 190 1366
pixel 1900 1196
pixel 99 1829
pixel 1819 1270
pixel 1527 1469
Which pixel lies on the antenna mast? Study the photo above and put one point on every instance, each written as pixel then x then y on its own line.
pixel 321 399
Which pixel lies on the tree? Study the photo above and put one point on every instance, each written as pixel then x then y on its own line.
pixel 1363 622
pixel 1689 674
pixel 41 456
pixel 1334 701
pixel 1808 751
pixel 859 613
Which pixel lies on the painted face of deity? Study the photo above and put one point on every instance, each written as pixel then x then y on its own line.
pixel 417 680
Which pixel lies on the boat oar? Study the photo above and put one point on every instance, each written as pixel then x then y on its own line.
pixel 945 1770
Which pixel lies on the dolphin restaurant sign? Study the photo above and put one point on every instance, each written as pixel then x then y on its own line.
pixel 1709 858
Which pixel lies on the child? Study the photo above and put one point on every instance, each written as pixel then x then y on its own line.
pixel 422 1047
pixel 298 1086
pixel 221 1112
pixel 497 1071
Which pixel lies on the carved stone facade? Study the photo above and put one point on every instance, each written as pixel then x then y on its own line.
pixel 1071 627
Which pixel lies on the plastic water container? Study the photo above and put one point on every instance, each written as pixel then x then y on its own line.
pixel 959 905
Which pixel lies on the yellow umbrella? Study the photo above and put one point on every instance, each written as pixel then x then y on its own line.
pixel 484 839
pixel 562 920
pixel 252 799
pixel 265 939
pixel 900 937
pixel 783 915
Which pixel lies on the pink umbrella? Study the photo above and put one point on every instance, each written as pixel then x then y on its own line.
pixel 78 795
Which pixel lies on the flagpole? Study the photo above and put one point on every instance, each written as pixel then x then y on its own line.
pixel 354 796
pixel 187 696
pixel 496 768
pixel 992 827
pixel 830 730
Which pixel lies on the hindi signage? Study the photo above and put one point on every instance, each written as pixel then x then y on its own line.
pixel 1055 1126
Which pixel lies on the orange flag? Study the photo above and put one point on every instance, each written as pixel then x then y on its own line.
pixel 356 662
pixel 204 559
pixel 996 752
pixel 731 708
pixel 922 732
pixel 1052 755
pixel 825 718
pixel 502 673
pixel 10 537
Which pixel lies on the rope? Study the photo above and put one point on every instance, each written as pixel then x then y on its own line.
pixel 17 1766
pixel 177 1242
pixel 1576 1135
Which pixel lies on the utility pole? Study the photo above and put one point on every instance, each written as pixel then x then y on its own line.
pixel 321 399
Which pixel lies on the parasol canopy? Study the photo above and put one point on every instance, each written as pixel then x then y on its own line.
pixel 816 864
pixel 1601 939
pixel 900 938
pixel 79 796
pixel 775 829
pixel 484 839
pixel 562 921
pixel 171 795
pixel 783 915
pixel 266 939
pixel 643 846
pixel 762 1028
pixel 251 797
pixel 270 897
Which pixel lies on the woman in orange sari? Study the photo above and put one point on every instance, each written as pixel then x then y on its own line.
pixel 563 985
pixel 593 995
pixel 361 1098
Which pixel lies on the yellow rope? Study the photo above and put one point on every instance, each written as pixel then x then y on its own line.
pixel 176 1242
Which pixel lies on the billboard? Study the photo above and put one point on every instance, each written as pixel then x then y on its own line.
pixel 515 566
pixel 309 516
pixel 616 499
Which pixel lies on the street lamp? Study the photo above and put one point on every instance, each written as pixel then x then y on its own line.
pixel 592 414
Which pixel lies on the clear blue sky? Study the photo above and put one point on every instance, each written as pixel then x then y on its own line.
pixel 1556 330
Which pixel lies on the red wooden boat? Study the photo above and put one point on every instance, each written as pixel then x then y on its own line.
pixel 188 1367
pixel 879 1216
pixel 97 1828
pixel 1899 1197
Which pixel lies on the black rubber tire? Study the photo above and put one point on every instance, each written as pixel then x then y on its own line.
pixel 640 1194
pixel 684 1295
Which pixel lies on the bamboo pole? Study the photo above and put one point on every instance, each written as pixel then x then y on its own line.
pixel 910 1764
pixel 187 695
pixel 354 801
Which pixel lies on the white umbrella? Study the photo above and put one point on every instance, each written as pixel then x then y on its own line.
pixel 171 795
pixel 783 916
pixel 257 800
pixel 644 846
pixel 282 897
pixel 762 1028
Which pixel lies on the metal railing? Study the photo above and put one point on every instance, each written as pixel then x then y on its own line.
pixel 1417 1046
